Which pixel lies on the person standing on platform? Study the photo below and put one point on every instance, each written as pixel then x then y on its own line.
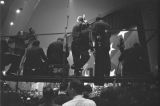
pixel 56 55
pixel 102 47
pixel 55 52
pixel 80 45
pixel 8 56
pixel 35 57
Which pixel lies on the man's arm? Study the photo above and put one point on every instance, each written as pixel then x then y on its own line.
pixel 67 50
pixel 43 55
pixel 75 31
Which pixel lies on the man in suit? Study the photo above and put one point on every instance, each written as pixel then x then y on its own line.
pixel 80 45
pixel 57 56
pixel 35 57
pixel 102 47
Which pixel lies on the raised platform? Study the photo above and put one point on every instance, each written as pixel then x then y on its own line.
pixel 84 79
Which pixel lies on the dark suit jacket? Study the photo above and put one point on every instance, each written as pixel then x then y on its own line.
pixel 55 53
pixel 34 57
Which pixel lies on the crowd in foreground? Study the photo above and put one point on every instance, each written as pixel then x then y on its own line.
pixel 75 93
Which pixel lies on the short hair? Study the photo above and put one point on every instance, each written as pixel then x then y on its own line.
pixel 63 86
pixel 77 86
pixel 87 88
pixel 98 18
pixel 61 39
pixel 48 92
pixel 36 43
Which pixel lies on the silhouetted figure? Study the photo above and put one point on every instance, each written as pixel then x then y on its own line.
pixel 102 47
pixel 55 52
pixel 31 36
pixel 48 97
pixel 3 49
pixel 80 45
pixel 57 57
pixel 9 57
pixel 133 61
pixel 35 57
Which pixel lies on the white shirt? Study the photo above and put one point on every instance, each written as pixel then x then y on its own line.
pixel 80 101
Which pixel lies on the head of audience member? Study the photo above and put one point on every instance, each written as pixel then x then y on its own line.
pixel 36 43
pixel 48 92
pixel 87 91
pixel 49 96
pixel 60 40
pixel 75 88
pixel 63 87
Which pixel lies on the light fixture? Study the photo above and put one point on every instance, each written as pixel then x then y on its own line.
pixel 19 10
pixel 2 2
pixel 11 23
pixel 4 73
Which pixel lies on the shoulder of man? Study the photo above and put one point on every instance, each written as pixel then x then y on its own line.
pixel 89 101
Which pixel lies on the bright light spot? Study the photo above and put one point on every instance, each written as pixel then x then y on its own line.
pixel 94 44
pixel 11 23
pixel 4 73
pixel 18 11
pixel 84 16
pixel 55 89
pixel 111 48
pixel 85 83
pixel 112 73
pixel 122 33
pixel 2 2
pixel 86 74
pixel 105 85
pixel 28 98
